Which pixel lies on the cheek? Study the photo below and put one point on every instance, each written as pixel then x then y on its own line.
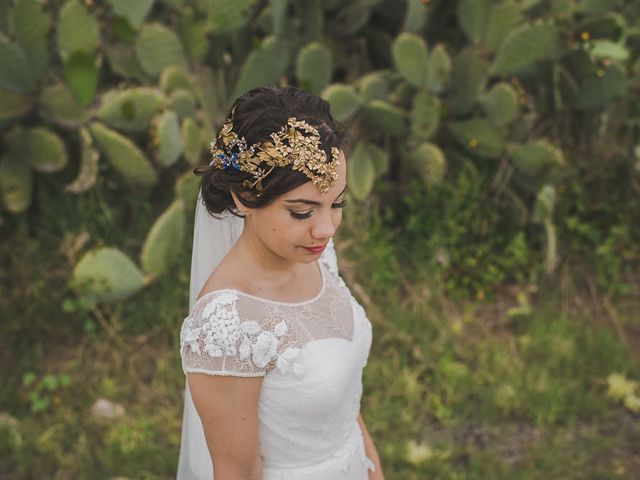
pixel 284 229
pixel 337 217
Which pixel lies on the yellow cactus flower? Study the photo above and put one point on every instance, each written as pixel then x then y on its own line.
pixel 585 36
pixel 473 143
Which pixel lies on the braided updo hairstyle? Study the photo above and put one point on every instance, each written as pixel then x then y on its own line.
pixel 259 113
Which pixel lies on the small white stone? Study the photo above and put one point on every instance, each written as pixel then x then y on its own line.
pixel 104 408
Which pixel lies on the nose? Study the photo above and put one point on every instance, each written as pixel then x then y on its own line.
pixel 324 226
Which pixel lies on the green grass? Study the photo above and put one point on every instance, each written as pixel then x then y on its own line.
pixel 453 390
pixel 487 403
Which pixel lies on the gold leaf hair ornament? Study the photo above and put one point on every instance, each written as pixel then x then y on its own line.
pixel 296 144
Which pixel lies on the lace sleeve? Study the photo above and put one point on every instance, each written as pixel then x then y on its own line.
pixel 216 341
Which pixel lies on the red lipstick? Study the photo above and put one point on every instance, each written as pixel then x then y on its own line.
pixel 315 250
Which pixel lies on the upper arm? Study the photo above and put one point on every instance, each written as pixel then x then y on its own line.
pixel 227 346
pixel 225 374
pixel 228 409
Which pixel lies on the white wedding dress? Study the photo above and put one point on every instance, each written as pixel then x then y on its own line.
pixel 311 355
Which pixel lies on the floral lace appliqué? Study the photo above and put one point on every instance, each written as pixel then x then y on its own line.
pixel 223 334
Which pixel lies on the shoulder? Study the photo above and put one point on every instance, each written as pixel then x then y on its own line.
pixel 225 277
pixel 212 326
pixel 220 331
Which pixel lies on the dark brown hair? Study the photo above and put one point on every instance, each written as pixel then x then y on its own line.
pixel 259 113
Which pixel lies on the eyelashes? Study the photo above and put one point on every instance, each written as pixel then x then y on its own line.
pixel 303 216
pixel 300 216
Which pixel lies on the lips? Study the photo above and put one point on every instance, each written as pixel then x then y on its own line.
pixel 315 249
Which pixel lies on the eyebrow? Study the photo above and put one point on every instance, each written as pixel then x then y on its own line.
pixel 311 202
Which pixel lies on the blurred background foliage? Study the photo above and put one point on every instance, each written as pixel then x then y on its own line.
pixel 493 229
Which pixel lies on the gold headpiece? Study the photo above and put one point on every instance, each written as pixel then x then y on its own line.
pixel 296 144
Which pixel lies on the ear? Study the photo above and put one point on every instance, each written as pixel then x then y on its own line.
pixel 239 206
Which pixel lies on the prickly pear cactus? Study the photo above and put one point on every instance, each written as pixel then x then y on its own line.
pixel 430 163
pixel 106 275
pixel 344 101
pixel 313 68
pixel 137 90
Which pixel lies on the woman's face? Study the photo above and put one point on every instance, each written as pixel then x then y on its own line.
pixel 300 219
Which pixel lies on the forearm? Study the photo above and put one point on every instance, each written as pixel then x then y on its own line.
pixel 237 471
pixel 371 451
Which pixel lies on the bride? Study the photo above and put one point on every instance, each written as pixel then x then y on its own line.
pixel 274 344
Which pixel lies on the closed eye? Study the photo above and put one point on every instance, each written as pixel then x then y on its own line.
pixel 304 215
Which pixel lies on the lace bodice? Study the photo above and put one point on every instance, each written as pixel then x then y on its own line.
pixel 311 355
pixel 233 333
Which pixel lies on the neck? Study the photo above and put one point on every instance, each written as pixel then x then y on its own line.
pixel 262 260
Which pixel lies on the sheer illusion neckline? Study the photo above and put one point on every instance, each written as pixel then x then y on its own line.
pixel 266 300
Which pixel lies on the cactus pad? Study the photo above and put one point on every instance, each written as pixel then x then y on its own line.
pixel 165 240
pixel 527 45
pixel 313 67
pixel 537 157
pixel 157 47
pixel 375 85
pixel 30 27
pixel 13 105
pixel 383 115
pixel 500 104
pixel 192 141
pixel 15 74
pixel 106 275
pixel 58 105
pixel 343 99
pixel 131 109
pixel 361 172
pixel 37 147
pixel 479 136
pixel 430 163
pixel 88 165
pixel 183 103
pixel 439 69
pixel 468 76
pixel 410 57
pixel 77 29
pixel 425 116
pixel 263 66
pixel 597 91
pixel 167 138
pixel 228 15
pixel 124 155
pixel 134 12
pixel 173 78
pixel 16 184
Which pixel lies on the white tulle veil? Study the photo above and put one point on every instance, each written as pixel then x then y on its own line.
pixel 212 239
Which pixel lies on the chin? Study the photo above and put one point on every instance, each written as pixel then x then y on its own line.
pixel 304 257
pixel 297 256
pixel 309 260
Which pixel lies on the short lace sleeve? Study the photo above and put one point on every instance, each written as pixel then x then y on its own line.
pixel 216 340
